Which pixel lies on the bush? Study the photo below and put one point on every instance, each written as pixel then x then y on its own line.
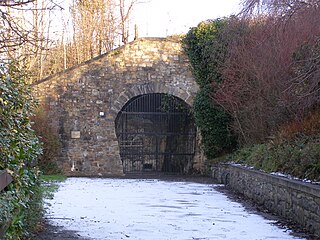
pixel 264 73
pixel 206 51
pixel 19 150
pixel 213 123
pixel 50 141
pixel 298 157
pixel 306 126
pixel 270 72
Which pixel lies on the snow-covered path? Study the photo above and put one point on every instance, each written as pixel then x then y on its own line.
pixel 156 210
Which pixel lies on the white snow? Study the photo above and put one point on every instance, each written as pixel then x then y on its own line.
pixel 153 209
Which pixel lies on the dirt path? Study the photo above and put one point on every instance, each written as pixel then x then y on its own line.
pixel 50 232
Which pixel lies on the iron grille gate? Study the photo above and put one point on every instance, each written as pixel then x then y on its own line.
pixel 156 132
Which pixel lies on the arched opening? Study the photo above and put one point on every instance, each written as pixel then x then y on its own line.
pixel 156 132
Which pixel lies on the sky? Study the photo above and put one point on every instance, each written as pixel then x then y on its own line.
pixel 160 18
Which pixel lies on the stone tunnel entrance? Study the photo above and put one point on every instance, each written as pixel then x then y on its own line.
pixel 156 133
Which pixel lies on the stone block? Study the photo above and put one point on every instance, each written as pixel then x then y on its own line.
pixel 75 134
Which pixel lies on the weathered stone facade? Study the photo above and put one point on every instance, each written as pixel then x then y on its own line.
pixel 294 200
pixel 84 101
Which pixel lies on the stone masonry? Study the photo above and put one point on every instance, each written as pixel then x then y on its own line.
pixel 291 199
pixel 83 102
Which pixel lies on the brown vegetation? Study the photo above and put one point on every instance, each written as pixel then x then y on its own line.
pixel 271 72
pixel 307 126
pixel 48 135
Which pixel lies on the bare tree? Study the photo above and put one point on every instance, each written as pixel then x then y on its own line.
pixel 279 7
pixel 25 32
pixel 125 8
pixel 269 77
pixel 94 26
pixel 98 24
pixel 12 34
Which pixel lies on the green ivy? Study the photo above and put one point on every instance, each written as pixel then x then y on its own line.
pixel 19 150
pixel 206 50
pixel 214 123
pixel 206 47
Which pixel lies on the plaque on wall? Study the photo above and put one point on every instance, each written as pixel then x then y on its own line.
pixel 75 134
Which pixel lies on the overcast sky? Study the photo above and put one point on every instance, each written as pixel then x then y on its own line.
pixel 159 18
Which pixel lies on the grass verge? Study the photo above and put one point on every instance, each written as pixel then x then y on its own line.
pixel 298 158
pixel 49 184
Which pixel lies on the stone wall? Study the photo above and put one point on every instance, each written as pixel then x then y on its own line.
pixel 291 199
pixel 83 102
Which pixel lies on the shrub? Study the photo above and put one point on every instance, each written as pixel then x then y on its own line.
pixel 270 72
pixel 50 141
pixel 206 51
pixel 213 123
pixel 298 157
pixel 305 84
pixel 19 150
pixel 306 126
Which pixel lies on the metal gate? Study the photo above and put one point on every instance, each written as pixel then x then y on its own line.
pixel 156 132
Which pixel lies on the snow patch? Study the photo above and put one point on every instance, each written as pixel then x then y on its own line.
pixel 153 209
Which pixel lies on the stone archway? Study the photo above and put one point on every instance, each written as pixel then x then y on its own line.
pixel 83 101
pixel 148 88
pixel 156 133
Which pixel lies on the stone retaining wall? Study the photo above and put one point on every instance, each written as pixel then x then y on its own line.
pixel 294 200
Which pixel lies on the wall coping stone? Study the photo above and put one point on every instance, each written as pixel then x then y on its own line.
pixel 292 199
pixel 299 185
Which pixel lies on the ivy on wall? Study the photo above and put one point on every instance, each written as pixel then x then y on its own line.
pixel 259 76
pixel 19 149
pixel 206 48
pixel 213 122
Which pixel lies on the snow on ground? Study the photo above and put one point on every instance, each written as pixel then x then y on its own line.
pixel 154 209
